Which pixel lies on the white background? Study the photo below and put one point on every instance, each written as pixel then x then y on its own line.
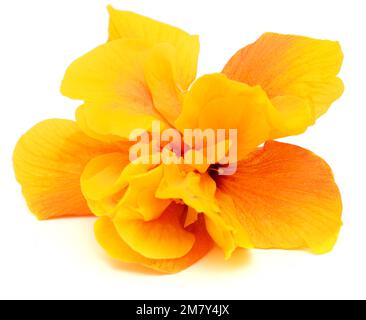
pixel 61 259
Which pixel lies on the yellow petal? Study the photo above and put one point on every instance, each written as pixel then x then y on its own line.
pixel 194 189
pixel 228 239
pixel 215 102
pixel 82 116
pixel 291 67
pixel 163 238
pixel 222 237
pixel 48 162
pixel 101 176
pixel 128 25
pixel 284 197
pixel 105 181
pixel 161 75
pixel 110 240
pixel 112 71
pixel 112 82
pixel 290 116
pixel 140 195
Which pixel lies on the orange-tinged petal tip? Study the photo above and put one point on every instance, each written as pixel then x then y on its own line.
pixel 48 162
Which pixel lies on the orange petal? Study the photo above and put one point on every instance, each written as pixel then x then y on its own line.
pixel 285 198
pixel 292 67
pixel 192 217
pixel 163 238
pixel 48 162
pixel 110 240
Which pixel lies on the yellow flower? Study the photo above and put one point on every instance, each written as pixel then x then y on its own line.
pixel 168 216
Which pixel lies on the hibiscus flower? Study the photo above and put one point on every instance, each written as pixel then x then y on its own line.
pixel 168 216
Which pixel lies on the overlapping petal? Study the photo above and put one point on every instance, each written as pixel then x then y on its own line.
pixel 195 189
pixel 215 102
pixel 103 182
pixel 110 182
pixel 288 68
pixel 162 78
pixel 48 162
pixel 111 81
pixel 129 25
pixel 162 238
pixel 140 196
pixel 110 240
pixel 198 192
pixel 138 77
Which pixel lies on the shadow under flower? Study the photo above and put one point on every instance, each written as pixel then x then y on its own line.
pixel 214 262
pixel 132 268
